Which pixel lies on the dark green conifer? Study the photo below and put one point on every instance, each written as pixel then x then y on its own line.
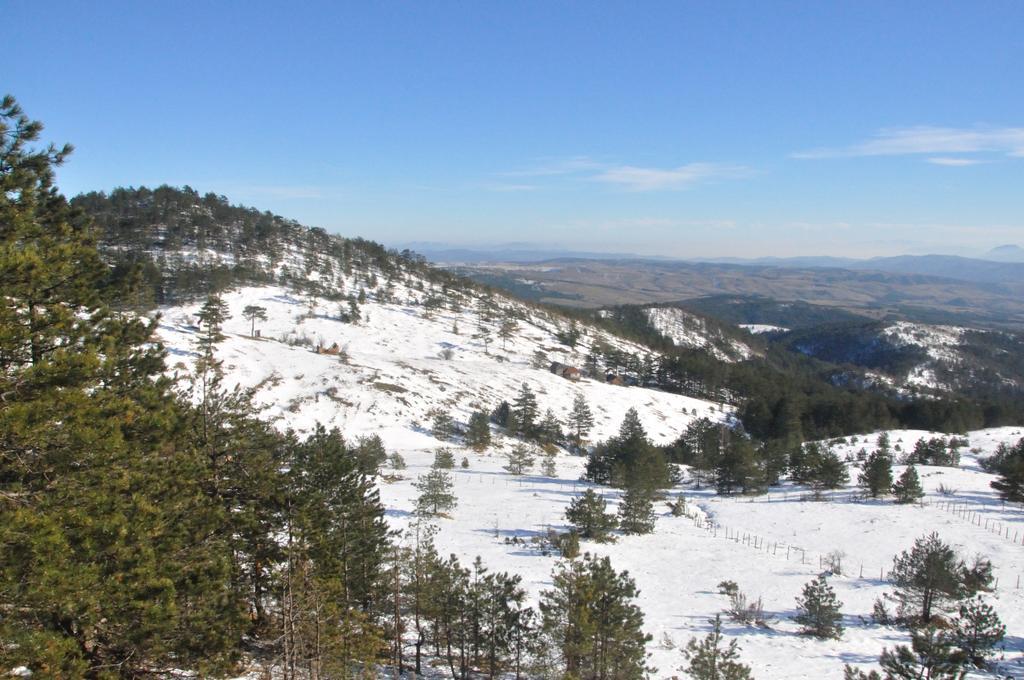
pixel 590 618
pixel 907 488
pixel 100 490
pixel 525 411
pixel 581 420
pixel 1010 468
pixel 589 514
pixel 436 495
pixel 876 479
pixel 818 610
pixel 478 433
pixel 709 660
pixel 636 511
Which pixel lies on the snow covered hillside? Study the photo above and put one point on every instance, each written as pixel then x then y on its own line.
pixel 400 362
pixel 404 359
pixel 916 357
pixel 687 330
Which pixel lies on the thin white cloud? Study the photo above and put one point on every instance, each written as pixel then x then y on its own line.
pixel 626 177
pixel 954 162
pixel 632 178
pixel 930 140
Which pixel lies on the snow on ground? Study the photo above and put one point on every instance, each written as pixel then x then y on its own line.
pixel 779 539
pixel 763 328
pixel 687 330
pixel 941 343
pixel 769 545
pixel 394 374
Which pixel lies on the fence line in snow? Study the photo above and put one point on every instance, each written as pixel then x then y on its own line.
pixel 825 561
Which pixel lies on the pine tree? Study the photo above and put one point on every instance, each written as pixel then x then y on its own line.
pixel 254 313
pixel 931 577
pixel 444 459
pixel 709 660
pixel 101 493
pixel 876 478
pixel 420 564
pixel 701 448
pixel 507 331
pixel 632 459
pixel 737 468
pixel 353 315
pixel 525 409
pixel 590 618
pixel 436 495
pixel 773 460
pixel 547 465
pixel 831 472
pixel 478 432
pixel 212 316
pixel 977 629
pixel 371 454
pixel 520 459
pixel 442 425
pixel 818 610
pixel 338 519
pixel 549 430
pixel 396 461
pixel 589 514
pixel 930 655
pixel 581 420
pixel 907 488
pixel 1010 468
pixel 883 445
pixel 852 673
pixel 803 461
pixel 636 512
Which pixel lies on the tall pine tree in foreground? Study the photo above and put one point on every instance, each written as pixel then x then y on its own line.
pixel 590 618
pixel 335 552
pixel 100 489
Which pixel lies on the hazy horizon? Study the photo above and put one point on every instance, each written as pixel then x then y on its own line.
pixel 727 130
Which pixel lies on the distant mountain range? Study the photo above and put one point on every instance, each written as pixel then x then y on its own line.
pixel 1007 253
pixel 1001 265
pixel 444 253
pixel 994 270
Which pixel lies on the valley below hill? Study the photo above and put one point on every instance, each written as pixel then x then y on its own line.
pixel 868 294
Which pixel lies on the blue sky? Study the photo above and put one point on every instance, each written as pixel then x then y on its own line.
pixel 676 128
